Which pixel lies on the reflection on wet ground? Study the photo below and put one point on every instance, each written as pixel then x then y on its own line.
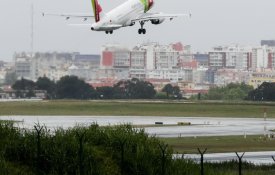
pixel 257 158
pixel 201 126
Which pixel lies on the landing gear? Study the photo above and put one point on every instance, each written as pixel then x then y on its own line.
pixel 142 30
pixel 109 32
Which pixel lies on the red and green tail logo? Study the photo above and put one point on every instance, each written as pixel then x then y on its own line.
pixel 97 10
pixel 147 4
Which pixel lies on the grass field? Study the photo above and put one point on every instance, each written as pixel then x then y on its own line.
pixel 221 144
pixel 137 108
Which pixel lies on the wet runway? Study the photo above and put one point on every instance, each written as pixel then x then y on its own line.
pixel 201 126
pixel 257 158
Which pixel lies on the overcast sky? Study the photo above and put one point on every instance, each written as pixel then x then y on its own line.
pixel 214 22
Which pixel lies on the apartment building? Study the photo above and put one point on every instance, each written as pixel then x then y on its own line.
pixel 230 57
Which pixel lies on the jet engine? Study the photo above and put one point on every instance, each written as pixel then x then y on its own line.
pixel 133 23
pixel 157 21
pixel 130 23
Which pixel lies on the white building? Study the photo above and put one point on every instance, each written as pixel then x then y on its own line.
pixel 174 75
pixel 115 56
pixel 149 60
pixel 83 73
pixel 200 75
pixel 232 57
pixel 54 65
pixel 260 57
pixel 160 56
pixel 23 67
pixel 224 77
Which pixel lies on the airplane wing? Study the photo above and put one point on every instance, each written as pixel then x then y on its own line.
pixel 157 16
pixel 85 17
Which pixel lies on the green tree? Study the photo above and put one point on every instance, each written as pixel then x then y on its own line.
pixel 134 89
pixel 138 89
pixel 44 83
pixel 105 92
pixel 71 87
pixel 30 94
pixel 173 91
pixel 233 91
pixel 119 90
pixel 176 92
pixel 23 84
pixel 168 89
pixel 265 92
pixel 10 78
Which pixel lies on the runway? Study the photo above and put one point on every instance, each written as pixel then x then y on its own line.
pixel 257 158
pixel 201 126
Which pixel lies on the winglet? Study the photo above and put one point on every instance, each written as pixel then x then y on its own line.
pixel 97 10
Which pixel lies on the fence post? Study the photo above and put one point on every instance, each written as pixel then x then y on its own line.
pixel 202 157
pixel 163 149
pixel 81 137
pixel 122 144
pixel 38 130
pixel 240 162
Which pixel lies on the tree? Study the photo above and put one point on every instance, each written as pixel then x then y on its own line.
pixel 138 89
pixel 44 83
pixel 119 90
pixel 233 91
pixel 30 94
pixel 168 89
pixel 134 89
pixel 24 85
pixel 10 78
pixel 105 92
pixel 176 92
pixel 70 87
pixel 265 92
pixel 172 91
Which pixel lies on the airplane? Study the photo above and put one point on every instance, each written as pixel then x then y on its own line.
pixel 125 15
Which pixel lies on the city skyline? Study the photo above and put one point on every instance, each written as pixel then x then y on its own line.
pixel 213 23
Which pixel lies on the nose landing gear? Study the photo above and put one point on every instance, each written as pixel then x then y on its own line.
pixel 142 30
pixel 109 32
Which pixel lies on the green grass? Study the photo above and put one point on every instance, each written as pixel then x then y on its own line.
pixel 220 144
pixel 137 108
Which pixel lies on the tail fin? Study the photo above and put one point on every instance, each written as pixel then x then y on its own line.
pixel 97 10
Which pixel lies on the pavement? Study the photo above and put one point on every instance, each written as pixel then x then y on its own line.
pixel 257 158
pixel 200 126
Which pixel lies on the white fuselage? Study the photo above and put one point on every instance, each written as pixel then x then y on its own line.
pixel 121 16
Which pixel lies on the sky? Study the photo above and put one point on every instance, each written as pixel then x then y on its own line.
pixel 213 23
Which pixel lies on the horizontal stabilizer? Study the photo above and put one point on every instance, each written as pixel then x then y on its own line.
pixel 153 16
pixel 85 17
